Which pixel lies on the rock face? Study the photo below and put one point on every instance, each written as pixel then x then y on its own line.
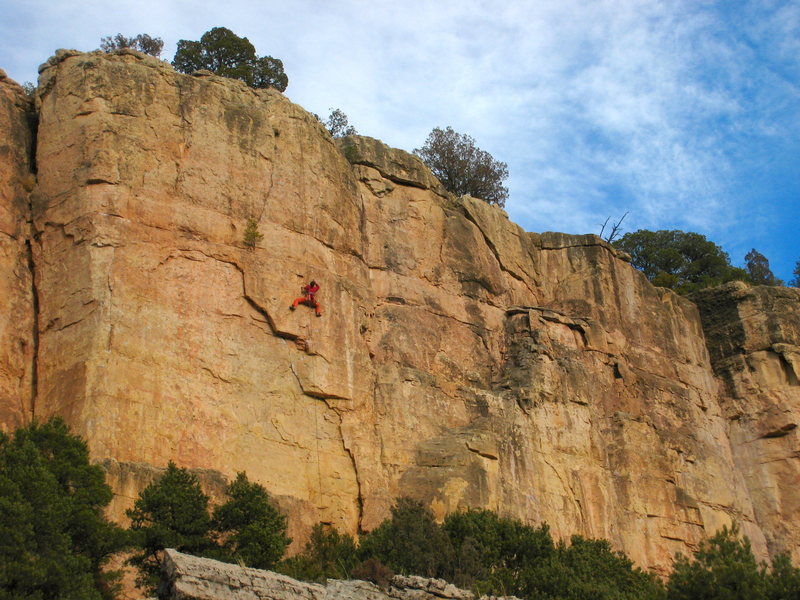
pixel 459 360
pixel 17 330
pixel 754 342
pixel 187 577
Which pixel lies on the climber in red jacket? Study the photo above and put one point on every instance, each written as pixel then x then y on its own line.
pixel 309 298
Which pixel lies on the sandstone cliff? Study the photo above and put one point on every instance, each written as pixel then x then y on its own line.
pixel 17 331
pixel 460 359
pixel 754 341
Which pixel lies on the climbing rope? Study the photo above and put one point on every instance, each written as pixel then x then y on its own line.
pixel 309 347
pixel 306 263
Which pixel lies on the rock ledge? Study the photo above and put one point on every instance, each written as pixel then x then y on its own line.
pixel 188 577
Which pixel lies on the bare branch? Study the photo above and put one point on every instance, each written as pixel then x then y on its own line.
pixel 615 230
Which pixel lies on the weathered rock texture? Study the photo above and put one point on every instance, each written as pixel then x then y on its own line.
pixel 460 360
pixel 754 342
pixel 187 577
pixel 17 337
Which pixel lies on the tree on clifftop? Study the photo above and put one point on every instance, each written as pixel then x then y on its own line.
pixel 338 124
pixel 758 270
pixel 463 168
pixel 683 261
pixel 796 281
pixel 223 52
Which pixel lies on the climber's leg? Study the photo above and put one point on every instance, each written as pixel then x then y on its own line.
pixel 317 307
pixel 297 301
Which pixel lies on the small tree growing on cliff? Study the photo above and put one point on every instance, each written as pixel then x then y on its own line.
pixel 462 167
pixel 251 234
pixel 223 52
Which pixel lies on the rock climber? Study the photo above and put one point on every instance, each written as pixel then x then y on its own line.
pixel 309 298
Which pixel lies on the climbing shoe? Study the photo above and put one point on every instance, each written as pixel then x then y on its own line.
pixel 292 307
pixel 319 315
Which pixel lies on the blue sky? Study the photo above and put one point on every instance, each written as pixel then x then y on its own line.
pixel 685 114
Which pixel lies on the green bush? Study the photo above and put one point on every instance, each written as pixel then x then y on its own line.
pixel 338 124
pixel 589 568
pixel 173 513
pixel 375 571
pixel 679 260
pixel 783 581
pixel 502 556
pixel 795 282
pixel 462 167
pixel 328 555
pixel 142 42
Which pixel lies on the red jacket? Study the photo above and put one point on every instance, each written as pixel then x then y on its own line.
pixel 310 291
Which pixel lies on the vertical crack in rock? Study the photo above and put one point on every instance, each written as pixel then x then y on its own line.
pixel 318 397
pixel 35 328
pixel 271 179
pixel 33 124
pixel 360 495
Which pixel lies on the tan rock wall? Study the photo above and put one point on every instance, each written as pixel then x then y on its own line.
pixel 459 360
pixel 754 342
pixel 164 337
pixel 17 339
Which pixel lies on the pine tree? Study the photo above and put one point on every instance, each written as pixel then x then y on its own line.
pixel 54 537
pixel 223 52
pixel 724 568
pixel 462 167
pixel 410 542
pixel 251 528
pixel 169 513
pixel 758 271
